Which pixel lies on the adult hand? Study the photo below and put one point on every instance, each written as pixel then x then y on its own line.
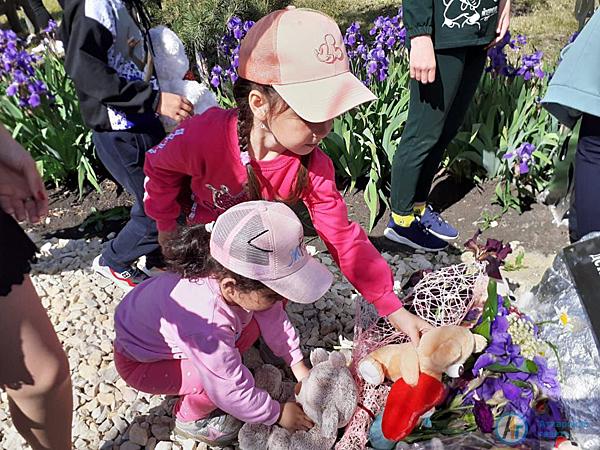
pixel 422 59
pixel 503 22
pixel 292 418
pixel 175 106
pixel 22 192
pixel 411 325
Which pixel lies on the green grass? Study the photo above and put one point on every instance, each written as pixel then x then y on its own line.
pixel 53 7
pixel 348 11
pixel 547 23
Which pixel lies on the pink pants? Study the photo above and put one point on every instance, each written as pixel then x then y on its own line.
pixel 178 377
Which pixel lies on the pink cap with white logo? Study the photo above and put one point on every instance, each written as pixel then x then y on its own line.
pixel 301 53
pixel 264 241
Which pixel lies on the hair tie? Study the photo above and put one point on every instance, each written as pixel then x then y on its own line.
pixel 209 226
pixel 245 158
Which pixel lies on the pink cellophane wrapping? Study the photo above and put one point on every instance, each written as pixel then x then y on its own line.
pixel 441 298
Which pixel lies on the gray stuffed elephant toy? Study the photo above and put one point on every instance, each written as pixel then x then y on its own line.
pixel 328 396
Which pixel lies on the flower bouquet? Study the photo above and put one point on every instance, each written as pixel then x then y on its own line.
pixel 508 390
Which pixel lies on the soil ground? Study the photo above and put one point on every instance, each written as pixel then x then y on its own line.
pixel 533 232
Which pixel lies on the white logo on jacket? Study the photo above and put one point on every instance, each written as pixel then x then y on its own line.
pixel 469 16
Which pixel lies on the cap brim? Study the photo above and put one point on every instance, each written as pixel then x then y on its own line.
pixel 321 100
pixel 306 285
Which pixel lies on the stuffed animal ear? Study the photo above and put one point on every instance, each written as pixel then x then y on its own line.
pixel 446 354
pixel 329 421
pixel 480 343
pixel 337 360
pixel 318 355
pixel 408 365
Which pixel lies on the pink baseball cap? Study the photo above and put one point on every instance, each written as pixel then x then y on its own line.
pixel 264 241
pixel 301 53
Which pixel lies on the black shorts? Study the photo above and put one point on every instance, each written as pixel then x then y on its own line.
pixel 17 252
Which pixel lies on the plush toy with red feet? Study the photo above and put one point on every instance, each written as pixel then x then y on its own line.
pixel 417 375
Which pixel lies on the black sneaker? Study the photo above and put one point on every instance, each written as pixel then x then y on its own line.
pixel 126 280
pixel 415 236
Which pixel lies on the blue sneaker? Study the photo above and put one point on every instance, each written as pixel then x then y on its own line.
pixel 436 225
pixel 415 236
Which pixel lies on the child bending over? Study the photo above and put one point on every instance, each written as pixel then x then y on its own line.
pixel 184 332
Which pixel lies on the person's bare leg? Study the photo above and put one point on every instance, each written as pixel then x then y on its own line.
pixel 34 370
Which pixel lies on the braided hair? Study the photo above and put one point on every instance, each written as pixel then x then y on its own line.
pixel 140 15
pixel 241 91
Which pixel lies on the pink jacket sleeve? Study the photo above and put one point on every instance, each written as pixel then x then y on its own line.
pixel 358 259
pixel 228 383
pixel 279 333
pixel 166 166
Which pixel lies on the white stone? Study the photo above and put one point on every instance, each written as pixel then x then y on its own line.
pixel 189 444
pixel 164 445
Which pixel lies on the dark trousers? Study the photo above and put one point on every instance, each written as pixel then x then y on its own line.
pixel 587 176
pixel 436 112
pixel 41 14
pixel 122 153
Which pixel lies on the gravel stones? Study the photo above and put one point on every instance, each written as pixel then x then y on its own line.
pixel 112 416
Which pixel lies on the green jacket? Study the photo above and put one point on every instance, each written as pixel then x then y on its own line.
pixel 452 23
pixel 575 86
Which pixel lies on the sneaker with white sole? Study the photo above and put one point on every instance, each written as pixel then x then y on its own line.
pixel 126 280
pixel 151 271
pixel 415 236
pixel 437 225
pixel 218 430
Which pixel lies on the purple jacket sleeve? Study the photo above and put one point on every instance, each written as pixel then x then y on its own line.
pixel 279 333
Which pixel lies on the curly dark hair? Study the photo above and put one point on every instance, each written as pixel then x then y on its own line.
pixel 187 253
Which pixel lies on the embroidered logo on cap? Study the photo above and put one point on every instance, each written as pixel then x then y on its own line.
pixel 328 52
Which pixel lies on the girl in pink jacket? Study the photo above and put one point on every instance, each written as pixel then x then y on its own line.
pixel 294 80
pixel 183 333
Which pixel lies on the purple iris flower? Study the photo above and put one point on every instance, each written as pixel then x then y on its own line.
pixel 18 70
pixel 34 100
pixel 482 362
pixel 51 27
pixel 531 65
pixel 215 73
pixel 483 416
pixel 547 378
pixel 12 89
pixel 229 49
pixel 524 156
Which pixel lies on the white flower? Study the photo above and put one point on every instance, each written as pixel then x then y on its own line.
pixel 564 319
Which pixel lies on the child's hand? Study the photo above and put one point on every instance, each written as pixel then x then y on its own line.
pixel 409 324
pixel 132 43
pixel 300 371
pixel 292 418
pixel 164 237
pixel 422 59
pixel 175 106
pixel 503 22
